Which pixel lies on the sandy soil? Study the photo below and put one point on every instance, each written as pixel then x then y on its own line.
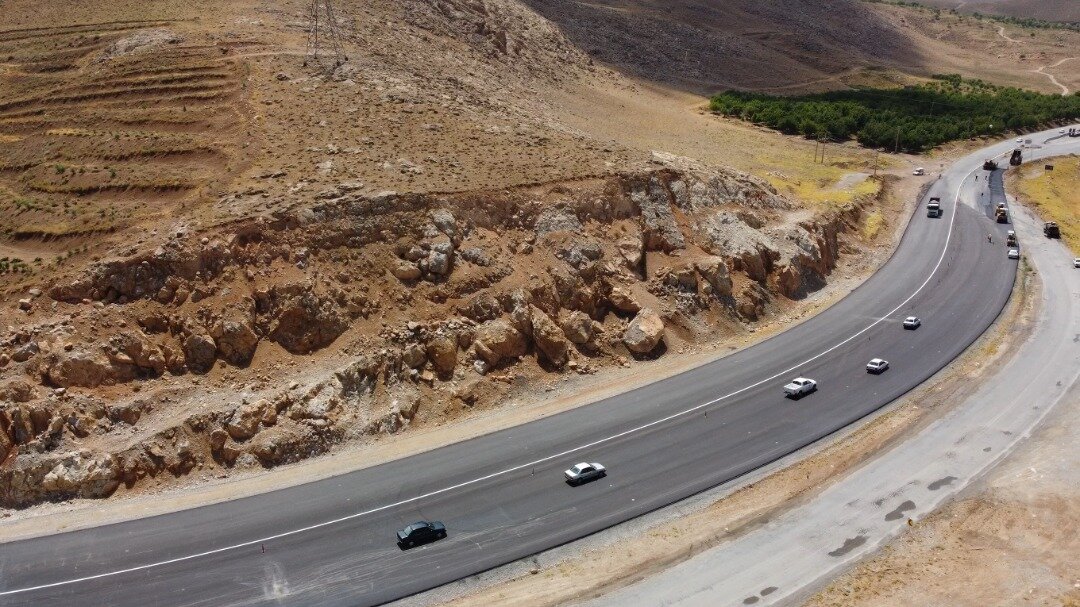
pixel 1012 539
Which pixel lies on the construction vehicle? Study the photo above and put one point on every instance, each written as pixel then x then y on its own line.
pixel 1016 158
pixel 1010 239
pixel 1074 132
pixel 990 165
pixel 933 208
pixel 1001 213
pixel 1051 230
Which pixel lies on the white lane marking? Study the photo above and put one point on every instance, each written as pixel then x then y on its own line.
pixel 180 559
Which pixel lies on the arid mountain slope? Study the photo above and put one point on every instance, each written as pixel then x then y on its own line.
pixel 1047 10
pixel 218 256
pixel 706 46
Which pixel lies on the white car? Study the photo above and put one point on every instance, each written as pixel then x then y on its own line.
pixel 1076 262
pixel 919 171
pixel 800 386
pixel 877 366
pixel 1014 253
pixel 912 322
pixel 1019 140
pixel 584 472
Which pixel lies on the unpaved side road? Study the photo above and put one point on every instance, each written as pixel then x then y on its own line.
pixel 793 555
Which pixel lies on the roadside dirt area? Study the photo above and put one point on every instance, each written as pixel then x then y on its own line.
pixel 1054 194
pixel 1013 539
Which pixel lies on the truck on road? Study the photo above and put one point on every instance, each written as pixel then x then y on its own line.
pixel 1016 158
pixel 989 165
pixel 933 208
pixel 1051 230
pixel 1001 214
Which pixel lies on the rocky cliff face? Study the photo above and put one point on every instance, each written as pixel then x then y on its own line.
pixel 389 303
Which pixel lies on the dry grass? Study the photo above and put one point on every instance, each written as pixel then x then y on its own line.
pixel 1056 194
pixel 873 225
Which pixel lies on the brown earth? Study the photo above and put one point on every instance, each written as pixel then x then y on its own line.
pixel 220 258
pixel 1047 10
pixel 1012 540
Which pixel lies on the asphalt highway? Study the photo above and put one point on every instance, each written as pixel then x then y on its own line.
pixel 807 546
pixel 502 496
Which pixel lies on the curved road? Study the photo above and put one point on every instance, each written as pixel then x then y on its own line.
pixel 802 549
pixel 501 495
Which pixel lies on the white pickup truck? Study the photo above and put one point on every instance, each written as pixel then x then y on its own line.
pixel 800 386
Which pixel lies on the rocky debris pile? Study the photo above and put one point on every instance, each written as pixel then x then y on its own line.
pixel 506 32
pixel 406 299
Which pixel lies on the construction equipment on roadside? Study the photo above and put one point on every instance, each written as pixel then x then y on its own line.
pixel 1001 214
pixel 1010 239
pixel 1016 158
pixel 990 165
pixel 1051 230
pixel 1074 132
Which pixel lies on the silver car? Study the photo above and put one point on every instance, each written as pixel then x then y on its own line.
pixel 912 323
pixel 877 366
pixel 584 472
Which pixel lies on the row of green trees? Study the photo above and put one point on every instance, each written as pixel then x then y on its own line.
pixel 913 119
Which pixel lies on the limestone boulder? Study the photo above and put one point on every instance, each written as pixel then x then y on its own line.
pixel 549 338
pixel 577 326
pixel 645 332
pixel 498 340
pixel 236 340
pixel 200 351
pixel 442 351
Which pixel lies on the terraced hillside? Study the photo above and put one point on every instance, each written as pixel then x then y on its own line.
pixel 107 123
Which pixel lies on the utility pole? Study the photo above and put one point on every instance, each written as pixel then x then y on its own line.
pixel 897 148
pixel 323 29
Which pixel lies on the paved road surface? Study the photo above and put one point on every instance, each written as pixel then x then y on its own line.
pixel 502 497
pixel 785 562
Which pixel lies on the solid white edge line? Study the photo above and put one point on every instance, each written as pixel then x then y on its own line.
pixel 179 559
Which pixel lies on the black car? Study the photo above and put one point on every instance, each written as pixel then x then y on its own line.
pixel 420 532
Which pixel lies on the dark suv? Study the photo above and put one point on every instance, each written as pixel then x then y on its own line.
pixel 420 532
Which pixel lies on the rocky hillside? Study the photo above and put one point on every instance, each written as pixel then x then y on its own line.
pixel 385 311
pixel 220 258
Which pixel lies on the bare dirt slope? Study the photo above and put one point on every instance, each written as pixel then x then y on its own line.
pixel 218 258
pixel 792 46
pixel 1047 10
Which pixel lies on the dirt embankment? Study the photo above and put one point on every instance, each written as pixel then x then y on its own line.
pixel 403 308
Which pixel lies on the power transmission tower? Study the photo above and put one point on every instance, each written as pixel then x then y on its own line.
pixel 324 32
